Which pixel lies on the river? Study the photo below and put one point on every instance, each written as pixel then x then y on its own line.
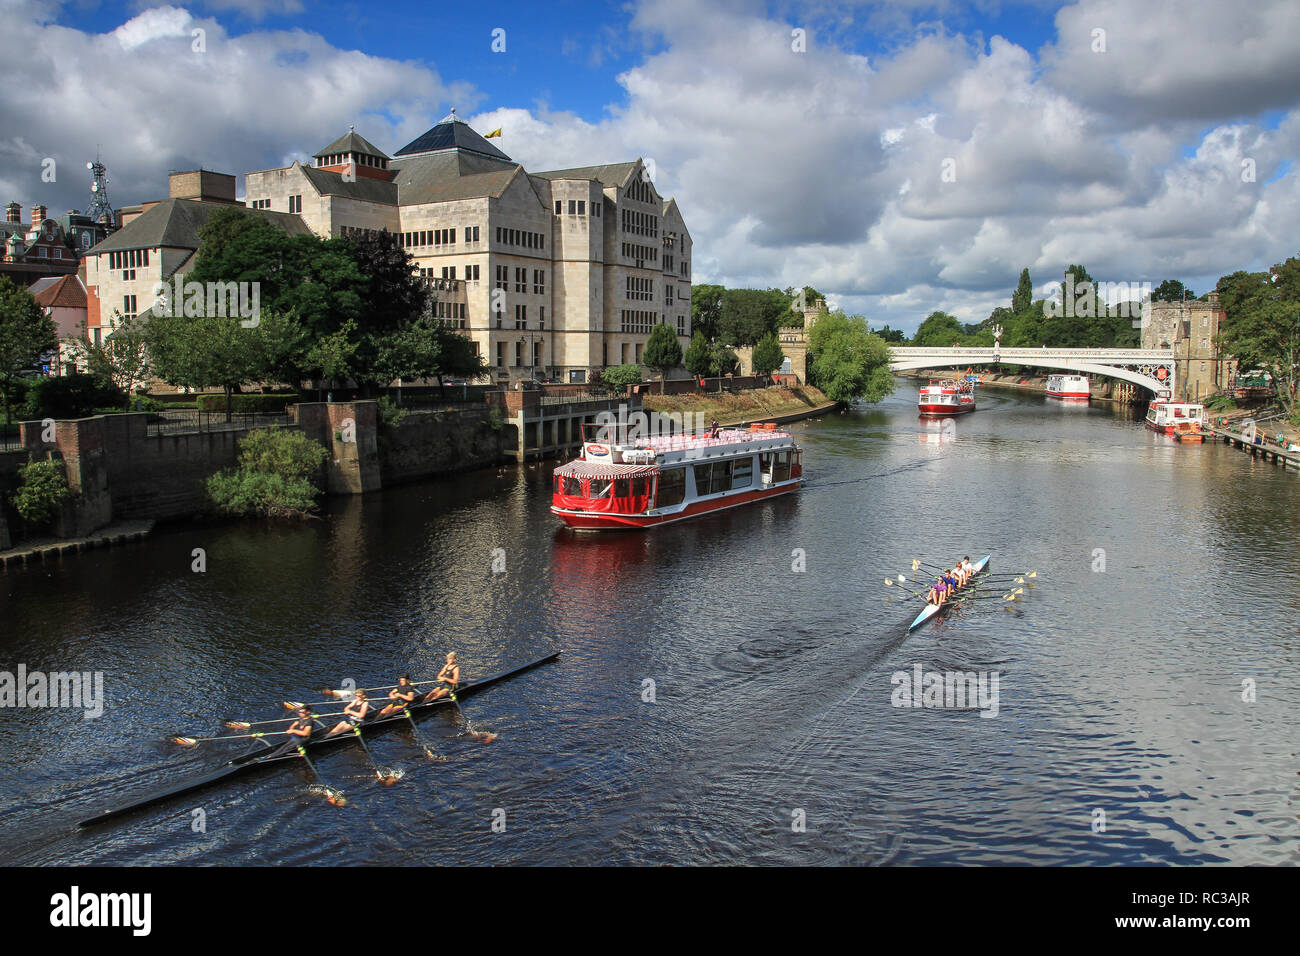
pixel 726 690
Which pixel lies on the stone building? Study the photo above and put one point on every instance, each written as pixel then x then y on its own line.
pixel 1190 327
pixel 794 343
pixel 551 274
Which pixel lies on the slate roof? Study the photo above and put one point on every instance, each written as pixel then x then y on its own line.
pixel 611 174
pixel 175 224
pixel 329 183
pixel 352 142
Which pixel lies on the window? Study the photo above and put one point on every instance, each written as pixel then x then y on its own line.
pixel 571 487
pixel 521 316
pixel 600 488
pixel 742 473
pixel 578 376
pixel 622 487
pixel 501 354
pixel 595 209
pixel 519 353
pixel 521 280
pixel 295 204
pixel 559 206
pixel 539 281
pixel 672 487
pixel 573 207
pixel 128 306
pixel 541 322
pixel 781 466
pixel 582 207
pixel 471 273
pixel 503 277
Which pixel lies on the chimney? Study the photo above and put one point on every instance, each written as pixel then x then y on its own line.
pixel 13 212
pixel 38 214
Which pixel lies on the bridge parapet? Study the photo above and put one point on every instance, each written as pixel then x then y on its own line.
pixel 1153 369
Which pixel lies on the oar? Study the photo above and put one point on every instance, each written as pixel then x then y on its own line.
pixel 195 741
pixel 419 739
pixel 333 794
pixel 246 725
pixel 901 579
pixel 479 735
pixel 385 775
pixel 330 692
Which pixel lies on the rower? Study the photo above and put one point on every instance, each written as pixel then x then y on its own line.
pixel 938 592
pixel 298 732
pixel 448 680
pixel 402 696
pixel 355 714
pixel 968 567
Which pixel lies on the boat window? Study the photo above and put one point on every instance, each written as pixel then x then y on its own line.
pixel 672 487
pixel 721 477
pixel 599 488
pixel 765 463
pixel 571 486
pixel 703 475
pixel 622 487
pixel 742 473
pixel 781 469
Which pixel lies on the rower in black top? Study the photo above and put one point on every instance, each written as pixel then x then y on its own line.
pixel 297 733
pixel 402 696
pixel 448 680
pixel 356 713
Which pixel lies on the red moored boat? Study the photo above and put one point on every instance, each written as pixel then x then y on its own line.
pixel 947 398
pixel 643 482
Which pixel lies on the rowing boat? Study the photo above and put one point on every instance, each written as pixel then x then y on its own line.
pixel 931 610
pixel 260 755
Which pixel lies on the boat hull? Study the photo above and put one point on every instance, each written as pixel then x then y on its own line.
pixel 945 411
pixel 1079 395
pixel 253 759
pixel 612 521
pixel 935 610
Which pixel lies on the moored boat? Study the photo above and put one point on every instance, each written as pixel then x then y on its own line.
pixel 1188 432
pixel 948 397
pixel 261 756
pixel 1165 416
pixel 632 483
pixel 1068 387
pixel 934 610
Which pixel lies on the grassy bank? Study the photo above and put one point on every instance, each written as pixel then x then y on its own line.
pixel 744 406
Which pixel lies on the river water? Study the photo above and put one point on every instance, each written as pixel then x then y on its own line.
pixel 727 687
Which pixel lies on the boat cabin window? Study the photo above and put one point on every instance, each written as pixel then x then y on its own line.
pixel 712 478
pixel 672 487
pixel 622 487
pixel 781 466
pixel 569 486
pixel 742 473
pixel 600 488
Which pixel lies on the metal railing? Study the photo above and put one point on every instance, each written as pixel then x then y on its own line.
pixel 183 421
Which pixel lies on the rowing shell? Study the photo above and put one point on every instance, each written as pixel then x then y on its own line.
pixel 932 609
pixel 258 757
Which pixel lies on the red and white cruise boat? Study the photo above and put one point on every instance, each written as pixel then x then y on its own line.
pixel 1165 416
pixel 1068 386
pixel 947 398
pixel 656 480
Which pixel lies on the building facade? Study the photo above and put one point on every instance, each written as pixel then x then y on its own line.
pixel 45 247
pixel 551 274
pixel 1190 328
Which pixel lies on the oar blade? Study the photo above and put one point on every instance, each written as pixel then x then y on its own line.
pixel 185 741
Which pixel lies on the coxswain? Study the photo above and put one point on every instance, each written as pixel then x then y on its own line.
pixel 448 680
pixel 402 696
pixel 356 713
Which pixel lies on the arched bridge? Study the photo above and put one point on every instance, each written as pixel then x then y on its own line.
pixel 1152 369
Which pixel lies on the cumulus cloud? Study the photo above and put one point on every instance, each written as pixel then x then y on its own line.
pixel 923 176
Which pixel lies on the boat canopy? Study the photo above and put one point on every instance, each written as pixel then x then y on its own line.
pixel 596 469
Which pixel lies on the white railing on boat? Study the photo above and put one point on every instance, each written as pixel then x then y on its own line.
pixel 732 436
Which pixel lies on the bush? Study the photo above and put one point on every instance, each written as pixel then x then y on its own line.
pixel 273 478
pixel 17 397
pixel 247 403
pixel 42 486
pixel 390 416
pixel 620 377
pixel 70 396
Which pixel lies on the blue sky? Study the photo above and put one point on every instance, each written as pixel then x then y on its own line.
pixel 912 156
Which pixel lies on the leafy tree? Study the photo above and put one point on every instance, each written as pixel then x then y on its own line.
pixel 204 352
pixel 848 362
pixel 273 478
pixel 26 334
pixel 749 314
pixel 70 396
pixel 1262 327
pixel 619 377
pixel 393 295
pixel 706 309
pixel 1171 290
pixel 891 335
pixel 330 358
pixel 42 486
pixel 722 360
pixel 698 359
pixel 939 330
pixel 662 352
pixel 1023 298
pixel 768 355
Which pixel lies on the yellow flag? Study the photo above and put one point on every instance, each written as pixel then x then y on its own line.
pixel 495 132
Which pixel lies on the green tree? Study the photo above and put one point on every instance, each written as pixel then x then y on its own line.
pixel 1023 298
pixel 706 309
pixel 749 314
pixel 848 362
pixel 662 352
pixel 722 360
pixel 939 330
pixel 1262 325
pixel 26 334
pixel 619 377
pixel 698 360
pixel 274 477
pixel 891 335
pixel 330 358
pixel 204 352
pixel 42 486
pixel 122 358
pixel 1171 290
pixel 768 354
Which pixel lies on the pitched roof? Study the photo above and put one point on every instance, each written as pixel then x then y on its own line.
pixel 352 142
pixel 442 177
pixel 452 133
pixel 64 292
pixel 175 224
pixel 611 174
pixel 330 183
